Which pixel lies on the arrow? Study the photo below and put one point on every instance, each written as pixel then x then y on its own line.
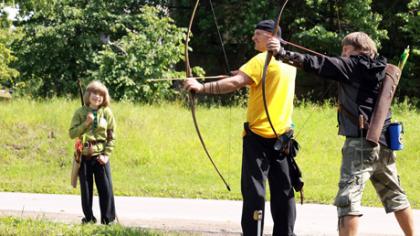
pixel 215 77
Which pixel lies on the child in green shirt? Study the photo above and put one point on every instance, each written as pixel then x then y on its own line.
pixel 94 123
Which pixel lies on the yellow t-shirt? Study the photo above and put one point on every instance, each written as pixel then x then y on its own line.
pixel 279 91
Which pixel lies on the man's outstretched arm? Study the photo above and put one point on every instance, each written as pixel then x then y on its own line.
pixel 227 85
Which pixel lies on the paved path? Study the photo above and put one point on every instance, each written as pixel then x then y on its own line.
pixel 207 217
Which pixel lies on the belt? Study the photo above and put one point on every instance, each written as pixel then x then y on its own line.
pixel 248 132
pixel 91 143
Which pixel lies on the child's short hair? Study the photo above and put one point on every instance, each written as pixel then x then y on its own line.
pixel 96 86
pixel 361 42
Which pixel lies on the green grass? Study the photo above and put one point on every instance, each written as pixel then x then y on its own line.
pixel 10 226
pixel 158 152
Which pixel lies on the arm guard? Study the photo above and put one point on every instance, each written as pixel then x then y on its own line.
pixel 291 58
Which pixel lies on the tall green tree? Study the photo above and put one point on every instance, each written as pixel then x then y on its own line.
pixel 63 39
pixel 71 39
pixel 321 24
pixel 57 48
pixel 325 22
pixel 316 24
pixel 153 45
pixel 402 21
pixel 7 34
pixel 410 35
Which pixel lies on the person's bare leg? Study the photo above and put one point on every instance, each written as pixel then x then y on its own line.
pixel 348 226
pixel 405 219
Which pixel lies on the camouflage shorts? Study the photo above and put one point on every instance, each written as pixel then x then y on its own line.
pixel 361 162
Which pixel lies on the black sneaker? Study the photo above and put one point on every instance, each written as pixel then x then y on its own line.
pixel 88 221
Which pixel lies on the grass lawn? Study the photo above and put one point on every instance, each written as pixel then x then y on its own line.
pixel 158 152
pixel 10 226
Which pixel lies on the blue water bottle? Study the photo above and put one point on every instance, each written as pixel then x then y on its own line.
pixel 396 130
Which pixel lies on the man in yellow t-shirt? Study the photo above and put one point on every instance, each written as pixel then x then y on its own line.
pixel 260 161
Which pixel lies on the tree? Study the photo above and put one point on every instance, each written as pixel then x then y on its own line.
pixel 153 45
pixel 316 24
pixel 410 35
pixel 62 39
pixel 73 39
pixel 7 34
pixel 57 48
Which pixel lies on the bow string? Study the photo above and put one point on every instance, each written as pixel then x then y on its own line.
pixel 191 94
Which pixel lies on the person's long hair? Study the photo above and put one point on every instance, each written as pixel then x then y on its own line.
pixel 97 86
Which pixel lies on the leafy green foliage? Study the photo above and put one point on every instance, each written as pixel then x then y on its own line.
pixel 77 39
pixel 410 32
pixel 316 24
pixel 7 73
pixel 62 40
pixel 154 45
pixel 57 48
pixel 411 20
pixel 324 23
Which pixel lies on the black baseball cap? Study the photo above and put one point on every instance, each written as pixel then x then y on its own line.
pixel 268 25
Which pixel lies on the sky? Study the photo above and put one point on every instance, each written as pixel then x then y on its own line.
pixel 11 11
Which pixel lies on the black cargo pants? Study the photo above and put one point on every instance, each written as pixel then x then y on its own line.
pixel 90 168
pixel 261 162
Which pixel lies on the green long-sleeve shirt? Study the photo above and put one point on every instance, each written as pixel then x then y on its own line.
pixel 103 133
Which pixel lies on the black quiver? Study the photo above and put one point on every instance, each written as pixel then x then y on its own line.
pixel 289 147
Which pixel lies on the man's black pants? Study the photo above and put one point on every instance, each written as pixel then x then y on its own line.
pixel 90 168
pixel 259 162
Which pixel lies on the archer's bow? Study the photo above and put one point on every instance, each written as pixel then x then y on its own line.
pixel 267 62
pixel 264 76
pixel 191 96
pixel 268 59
